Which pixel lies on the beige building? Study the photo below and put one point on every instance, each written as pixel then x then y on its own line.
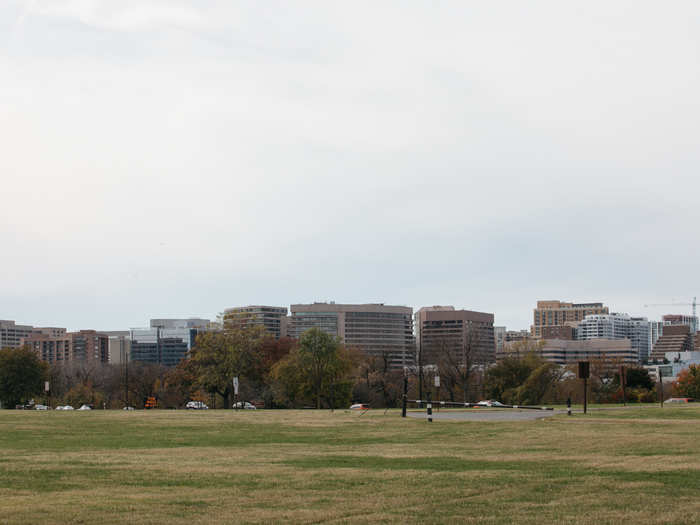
pixel 614 351
pixel 85 345
pixel 556 319
pixel 379 330
pixel 465 334
pixel 12 335
pixel 272 318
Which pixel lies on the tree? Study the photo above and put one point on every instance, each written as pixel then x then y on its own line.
pixel 22 376
pixel 526 379
pixel 688 383
pixel 218 357
pixel 456 358
pixel 638 378
pixel 319 367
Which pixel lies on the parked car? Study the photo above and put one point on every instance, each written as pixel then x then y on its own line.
pixel 196 405
pixel 85 407
pixel 64 407
pixel 359 406
pixel 41 407
pixel 679 400
pixel 244 405
pixel 490 403
pixel 128 408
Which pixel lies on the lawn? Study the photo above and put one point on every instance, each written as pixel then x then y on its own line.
pixel 634 465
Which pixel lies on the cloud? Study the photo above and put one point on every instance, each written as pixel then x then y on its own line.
pixel 197 155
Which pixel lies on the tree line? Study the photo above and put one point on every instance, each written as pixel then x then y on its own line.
pixel 316 371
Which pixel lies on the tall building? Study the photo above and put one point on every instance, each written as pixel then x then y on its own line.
pixel 677 339
pixel 11 334
pixel 617 326
pixel 499 337
pixel 461 333
pixel 379 330
pixel 164 346
pixel 119 347
pixel 57 347
pixel 272 318
pixel 550 314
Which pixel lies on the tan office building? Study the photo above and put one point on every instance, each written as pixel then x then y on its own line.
pixel 556 319
pixel 85 345
pixel 465 334
pixel 378 330
pixel 272 318
pixel 612 351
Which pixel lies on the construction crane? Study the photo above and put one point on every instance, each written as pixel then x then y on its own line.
pixel 693 319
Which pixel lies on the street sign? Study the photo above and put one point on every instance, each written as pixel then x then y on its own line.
pixel 235 385
pixel 584 369
pixel 437 381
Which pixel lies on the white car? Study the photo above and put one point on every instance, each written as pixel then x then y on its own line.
pixel 490 403
pixel 65 407
pixel 196 405
pixel 244 405
pixel 359 406
pixel 85 407
pixel 41 407
pixel 128 408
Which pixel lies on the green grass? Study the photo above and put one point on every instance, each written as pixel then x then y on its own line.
pixel 635 465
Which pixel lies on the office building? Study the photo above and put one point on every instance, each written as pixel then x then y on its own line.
pixel 378 330
pixel 119 347
pixel 12 335
pixel 57 347
pixel 557 313
pixel 272 318
pixel 611 351
pixel 617 326
pixel 164 346
pixel 443 332
pixel 675 339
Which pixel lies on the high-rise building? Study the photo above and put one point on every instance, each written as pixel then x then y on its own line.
pixel 378 330
pixel 272 318
pixel 56 347
pixel 617 326
pixel 11 334
pixel 164 346
pixel 119 347
pixel 499 338
pixel 442 331
pixel 550 314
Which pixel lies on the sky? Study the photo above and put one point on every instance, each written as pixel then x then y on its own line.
pixel 175 158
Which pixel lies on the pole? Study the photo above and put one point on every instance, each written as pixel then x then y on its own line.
pixel 429 404
pixel 420 378
pixel 405 396
pixel 661 388
pixel 622 384
pixel 568 405
pixel 585 396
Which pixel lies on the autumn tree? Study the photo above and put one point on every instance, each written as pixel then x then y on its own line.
pixel 218 357
pixel 688 383
pixel 22 376
pixel 318 367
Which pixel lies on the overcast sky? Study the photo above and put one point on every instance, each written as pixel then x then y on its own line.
pixel 176 158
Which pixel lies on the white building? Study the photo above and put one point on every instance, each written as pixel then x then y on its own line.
pixel 618 326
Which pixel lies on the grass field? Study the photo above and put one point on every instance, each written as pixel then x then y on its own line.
pixel 636 465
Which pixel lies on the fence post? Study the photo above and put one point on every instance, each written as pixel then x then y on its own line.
pixel 405 396
pixel 430 407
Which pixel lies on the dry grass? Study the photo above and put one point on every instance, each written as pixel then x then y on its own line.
pixel 310 467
